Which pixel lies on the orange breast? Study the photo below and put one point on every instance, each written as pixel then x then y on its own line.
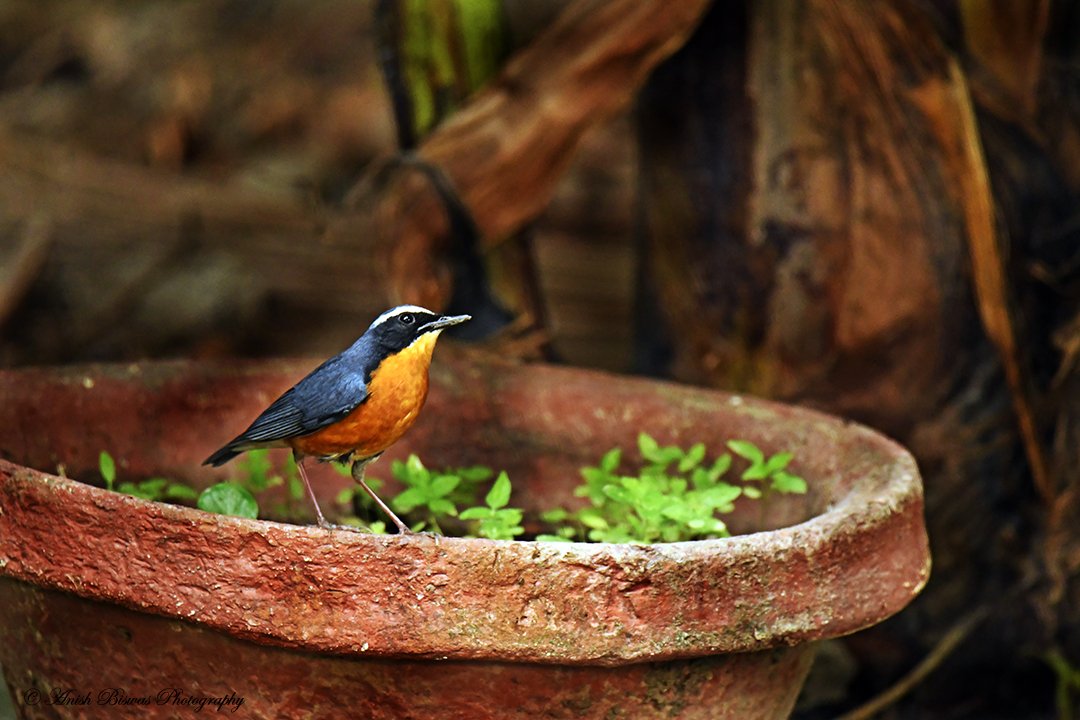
pixel 396 393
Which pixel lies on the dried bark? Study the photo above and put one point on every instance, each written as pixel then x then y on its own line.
pixel 115 229
pixel 505 151
pixel 834 219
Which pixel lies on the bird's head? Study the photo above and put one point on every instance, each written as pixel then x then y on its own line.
pixel 408 326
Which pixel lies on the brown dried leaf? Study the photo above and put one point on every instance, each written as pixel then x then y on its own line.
pixel 986 244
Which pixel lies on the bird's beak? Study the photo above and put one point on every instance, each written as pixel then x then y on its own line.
pixel 444 322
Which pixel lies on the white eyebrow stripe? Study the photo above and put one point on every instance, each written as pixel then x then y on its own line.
pixel 394 312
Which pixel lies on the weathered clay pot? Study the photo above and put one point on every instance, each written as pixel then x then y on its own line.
pixel 110 597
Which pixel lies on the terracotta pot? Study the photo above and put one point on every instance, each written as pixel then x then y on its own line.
pixel 110 597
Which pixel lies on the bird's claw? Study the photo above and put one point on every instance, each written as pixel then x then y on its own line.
pixel 351 528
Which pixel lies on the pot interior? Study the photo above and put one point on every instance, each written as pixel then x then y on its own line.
pixel 851 551
pixel 541 424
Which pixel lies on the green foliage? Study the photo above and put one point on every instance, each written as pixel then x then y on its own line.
pixel 430 496
pixel 354 496
pixel 1068 683
pixel 158 488
pixel 426 490
pixel 107 467
pixel 675 496
pixel 153 489
pixel 767 469
pixel 237 497
pixel 493 519
pixel 229 499
pixel 445 51
pixel 256 474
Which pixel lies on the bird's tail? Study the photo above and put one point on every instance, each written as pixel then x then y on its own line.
pixel 222 456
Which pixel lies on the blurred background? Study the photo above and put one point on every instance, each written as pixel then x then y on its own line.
pixel 868 208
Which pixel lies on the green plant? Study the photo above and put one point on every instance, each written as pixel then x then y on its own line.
pixel 493 519
pixel 427 494
pixel 228 498
pixel 428 497
pixel 772 469
pixel 1067 685
pixel 154 489
pixel 256 475
pixel 675 496
pixel 107 468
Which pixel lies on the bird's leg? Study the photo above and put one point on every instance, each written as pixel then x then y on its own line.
pixel 358 467
pixel 311 493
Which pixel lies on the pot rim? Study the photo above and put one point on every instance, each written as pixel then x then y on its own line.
pixel 862 559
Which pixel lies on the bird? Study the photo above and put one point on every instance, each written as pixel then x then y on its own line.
pixel 356 404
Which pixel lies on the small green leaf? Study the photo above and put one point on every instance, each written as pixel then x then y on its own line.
pixel 723 494
pixel 785 482
pixel 414 469
pixel 346 495
pixel 667 455
pixel 107 466
pixel 720 467
pixel 229 499
pixel 502 524
pixel 296 488
pixel 595 478
pixel 444 484
pixel 153 486
pixel 128 488
pixel 755 472
pixel 557 515
pixel 477 473
pixel 476 513
pixel 408 499
pixel 649 448
pixel 256 467
pixel 442 506
pixel 552 538
pixel 751 492
pixel 499 495
pixel 680 513
pixel 179 491
pixel 692 458
pixel 618 493
pixel 610 462
pixel 747 450
pixel 591 518
pixel 778 462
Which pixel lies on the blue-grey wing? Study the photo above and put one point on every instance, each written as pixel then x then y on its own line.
pixel 325 396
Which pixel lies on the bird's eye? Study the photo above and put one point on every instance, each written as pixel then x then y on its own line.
pixel 406 318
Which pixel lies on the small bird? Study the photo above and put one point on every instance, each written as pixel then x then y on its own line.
pixel 356 404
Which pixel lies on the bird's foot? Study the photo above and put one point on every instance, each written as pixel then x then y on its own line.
pixel 424 534
pixel 325 525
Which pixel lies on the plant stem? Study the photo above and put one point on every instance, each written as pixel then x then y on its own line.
pixel 949 642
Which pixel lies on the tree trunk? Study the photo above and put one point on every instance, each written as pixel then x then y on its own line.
pixel 820 191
